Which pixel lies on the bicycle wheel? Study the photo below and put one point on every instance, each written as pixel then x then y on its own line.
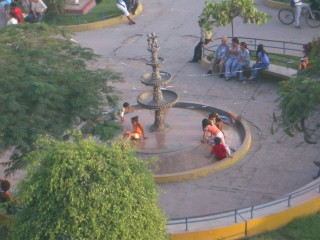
pixel 313 20
pixel 286 16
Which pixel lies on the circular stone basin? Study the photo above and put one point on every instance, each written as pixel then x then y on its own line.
pixel 179 149
pixel 146 99
pixel 148 80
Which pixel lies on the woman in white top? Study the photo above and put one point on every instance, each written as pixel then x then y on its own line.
pixel 122 6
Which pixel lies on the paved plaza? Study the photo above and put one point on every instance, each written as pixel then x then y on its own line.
pixel 275 164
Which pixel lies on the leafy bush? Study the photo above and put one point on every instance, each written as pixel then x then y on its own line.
pixel 108 130
pixel 82 189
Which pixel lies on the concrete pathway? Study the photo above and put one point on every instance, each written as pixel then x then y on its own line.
pixel 275 164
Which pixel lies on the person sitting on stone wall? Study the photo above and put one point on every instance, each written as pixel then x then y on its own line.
pixel 220 57
pixel 38 8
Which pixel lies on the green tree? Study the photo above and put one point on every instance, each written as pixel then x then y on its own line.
pixel 300 99
pixel 82 189
pixel 223 13
pixel 55 7
pixel 45 85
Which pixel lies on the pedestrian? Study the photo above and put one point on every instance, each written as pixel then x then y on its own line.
pixel 5 3
pixel 38 8
pixel 244 61
pixel 299 6
pixel 318 165
pixel 135 4
pixel 262 63
pixel 220 150
pixel 138 130
pixel 117 113
pixel 11 20
pixel 206 37
pixel 210 130
pixel 220 57
pixel 17 12
pixel 5 194
pixel 233 59
pixel 123 7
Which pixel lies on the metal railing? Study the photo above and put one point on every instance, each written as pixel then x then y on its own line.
pixel 288 53
pixel 250 211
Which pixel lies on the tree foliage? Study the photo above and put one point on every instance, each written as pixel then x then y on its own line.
pixel 223 13
pixel 300 99
pixel 82 189
pixel 45 85
pixel 55 7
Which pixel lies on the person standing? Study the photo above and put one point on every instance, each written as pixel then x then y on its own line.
pixel 299 5
pixel 123 7
pixel 206 37
pixel 220 56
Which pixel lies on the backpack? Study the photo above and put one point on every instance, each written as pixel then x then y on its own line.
pixel 292 4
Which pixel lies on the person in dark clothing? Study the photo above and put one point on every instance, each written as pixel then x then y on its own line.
pixel 206 37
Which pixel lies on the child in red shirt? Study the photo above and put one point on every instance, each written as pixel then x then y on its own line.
pixel 219 150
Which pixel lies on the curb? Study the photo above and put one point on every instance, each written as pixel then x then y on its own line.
pixel 102 24
pixel 201 172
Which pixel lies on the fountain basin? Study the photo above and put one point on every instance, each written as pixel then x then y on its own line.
pixel 148 80
pixel 146 100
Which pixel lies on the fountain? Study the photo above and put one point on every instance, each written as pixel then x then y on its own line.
pixel 157 99
pixel 181 155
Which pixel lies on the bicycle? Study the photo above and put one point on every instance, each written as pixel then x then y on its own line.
pixel 312 17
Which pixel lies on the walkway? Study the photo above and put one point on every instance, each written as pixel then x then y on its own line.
pixel 275 164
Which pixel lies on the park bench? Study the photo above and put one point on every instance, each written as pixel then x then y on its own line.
pixel 274 72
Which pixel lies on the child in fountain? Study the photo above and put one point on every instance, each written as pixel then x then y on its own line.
pixel 220 150
pixel 138 130
pixel 212 130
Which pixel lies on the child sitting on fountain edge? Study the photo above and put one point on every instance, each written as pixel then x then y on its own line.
pixel 138 130
pixel 220 150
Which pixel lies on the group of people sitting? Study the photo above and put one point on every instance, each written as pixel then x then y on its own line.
pixel 213 134
pixel 31 11
pixel 233 60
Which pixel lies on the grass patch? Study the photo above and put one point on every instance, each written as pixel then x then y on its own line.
pixel 104 10
pixel 301 229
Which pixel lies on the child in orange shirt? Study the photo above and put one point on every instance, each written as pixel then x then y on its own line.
pixel 138 130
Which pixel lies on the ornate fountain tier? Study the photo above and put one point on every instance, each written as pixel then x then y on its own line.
pixel 151 62
pixel 149 79
pixel 156 99
pixel 147 100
